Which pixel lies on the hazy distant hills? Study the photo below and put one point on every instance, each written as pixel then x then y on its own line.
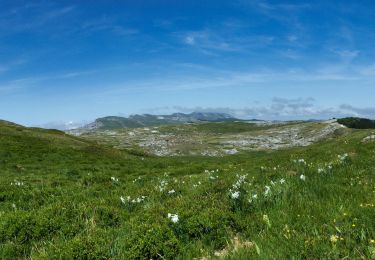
pixel 147 120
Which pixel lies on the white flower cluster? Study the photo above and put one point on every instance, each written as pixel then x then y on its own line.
pixel 137 179
pixel 234 192
pixel 328 166
pixel 17 183
pixel 253 197
pixel 163 185
pixel 267 188
pixel 210 173
pixel 300 161
pixel 171 191
pixel 240 181
pixel 343 157
pixel 196 185
pixel 302 177
pixel 173 217
pixel 114 179
pixel 128 199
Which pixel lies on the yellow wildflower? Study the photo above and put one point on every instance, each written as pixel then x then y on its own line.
pixel 334 238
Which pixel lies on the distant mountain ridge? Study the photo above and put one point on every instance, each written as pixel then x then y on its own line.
pixel 147 120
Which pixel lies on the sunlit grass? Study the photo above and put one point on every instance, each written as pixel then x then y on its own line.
pixel 64 197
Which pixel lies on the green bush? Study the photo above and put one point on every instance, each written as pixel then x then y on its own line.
pixel 94 244
pixel 148 241
pixel 209 225
pixel 358 123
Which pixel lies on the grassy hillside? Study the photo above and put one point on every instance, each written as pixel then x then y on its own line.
pixel 66 197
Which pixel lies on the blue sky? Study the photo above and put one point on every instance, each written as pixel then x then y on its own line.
pixel 64 61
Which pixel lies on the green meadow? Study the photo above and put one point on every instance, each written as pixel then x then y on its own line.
pixel 64 197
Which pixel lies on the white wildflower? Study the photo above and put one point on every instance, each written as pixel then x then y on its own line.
pixel 162 185
pixel 235 195
pixel 173 217
pixel 343 157
pixel 301 161
pixel 114 179
pixel 17 183
pixel 171 191
pixel 267 190
pixel 302 177
pixel 282 181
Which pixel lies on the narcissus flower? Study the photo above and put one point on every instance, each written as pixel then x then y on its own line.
pixel 173 217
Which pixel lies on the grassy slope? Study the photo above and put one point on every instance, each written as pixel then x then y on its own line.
pixel 65 203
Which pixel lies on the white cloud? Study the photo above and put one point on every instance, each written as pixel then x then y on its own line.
pixel 347 54
pixel 210 41
pixel 189 39
pixel 286 109
pixel 6 66
pixel 292 38
pixel 60 125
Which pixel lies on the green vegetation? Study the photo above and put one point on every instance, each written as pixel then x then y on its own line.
pixel 147 120
pixel 67 197
pixel 358 123
pixel 231 127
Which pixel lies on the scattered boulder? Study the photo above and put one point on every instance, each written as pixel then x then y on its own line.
pixel 369 138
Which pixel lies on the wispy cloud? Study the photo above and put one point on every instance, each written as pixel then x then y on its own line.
pixel 347 55
pixel 211 41
pixel 359 111
pixel 7 66
pixel 106 23
pixel 61 125
pixel 31 17
pixel 284 12
pixel 30 82
pixel 208 40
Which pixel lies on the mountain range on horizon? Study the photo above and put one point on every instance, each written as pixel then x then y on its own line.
pixel 148 120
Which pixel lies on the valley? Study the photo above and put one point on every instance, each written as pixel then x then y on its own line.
pixel 215 138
